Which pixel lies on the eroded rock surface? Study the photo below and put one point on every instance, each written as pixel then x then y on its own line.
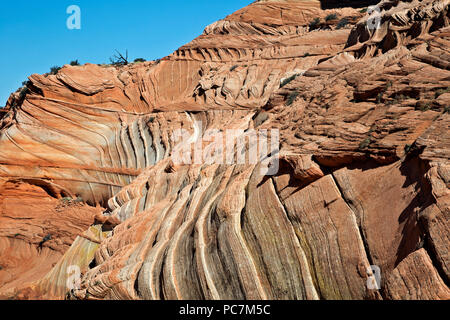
pixel 363 179
pixel 36 231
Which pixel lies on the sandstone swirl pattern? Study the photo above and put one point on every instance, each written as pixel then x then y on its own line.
pixel 364 173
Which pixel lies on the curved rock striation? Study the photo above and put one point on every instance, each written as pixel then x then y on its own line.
pixel 36 231
pixel 363 173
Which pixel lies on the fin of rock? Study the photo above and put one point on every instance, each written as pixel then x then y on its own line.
pixel 363 180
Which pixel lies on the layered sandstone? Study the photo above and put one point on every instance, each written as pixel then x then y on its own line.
pixel 363 179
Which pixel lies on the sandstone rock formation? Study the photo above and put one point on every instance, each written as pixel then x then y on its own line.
pixel 363 179
pixel 36 231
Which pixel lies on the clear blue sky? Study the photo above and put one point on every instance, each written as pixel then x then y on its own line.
pixel 34 35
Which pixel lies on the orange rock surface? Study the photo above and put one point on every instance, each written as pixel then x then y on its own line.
pixel 36 231
pixel 88 156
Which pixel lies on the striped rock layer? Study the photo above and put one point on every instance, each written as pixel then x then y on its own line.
pixel 90 179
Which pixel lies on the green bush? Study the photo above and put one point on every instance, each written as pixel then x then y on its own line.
pixel 330 17
pixel 54 70
pixel 313 24
pixel 342 23
pixel 423 106
pixel 74 63
pixel 139 60
pixel 365 143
